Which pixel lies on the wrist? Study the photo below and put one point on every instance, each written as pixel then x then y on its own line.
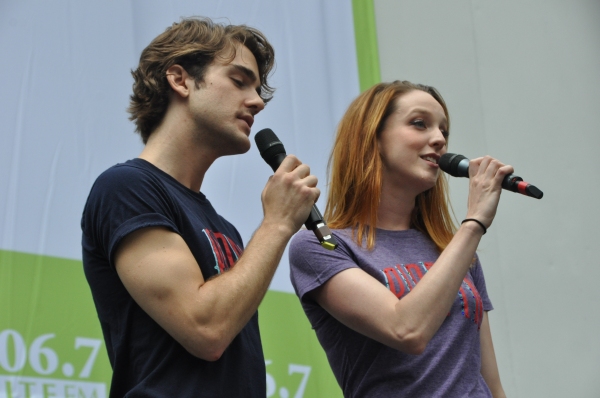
pixel 278 229
pixel 475 225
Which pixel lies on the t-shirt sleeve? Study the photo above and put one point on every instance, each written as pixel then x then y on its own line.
pixel 311 265
pixel 124 199
pixel 479 280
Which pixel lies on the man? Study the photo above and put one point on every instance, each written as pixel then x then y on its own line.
pixel 179 319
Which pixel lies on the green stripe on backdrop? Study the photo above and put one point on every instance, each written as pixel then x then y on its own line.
pixel 365 33
pixel 51 343
pixel 296 364
pixel 50 338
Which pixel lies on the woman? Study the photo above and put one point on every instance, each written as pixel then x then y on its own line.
pixel 400 307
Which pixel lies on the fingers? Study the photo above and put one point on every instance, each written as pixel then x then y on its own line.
pixel 295 169
pixel 318 194
pixel 290 163
pixel 290 193
pixel 486 175
pixel 489 168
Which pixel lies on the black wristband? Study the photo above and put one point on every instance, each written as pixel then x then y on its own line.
pixel 477 221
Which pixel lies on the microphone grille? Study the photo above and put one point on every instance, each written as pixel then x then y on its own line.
pixel 265 139
pixel 269 146
pixel 449 163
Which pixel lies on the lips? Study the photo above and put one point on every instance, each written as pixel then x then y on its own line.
pixel 433 158
pixel 248 119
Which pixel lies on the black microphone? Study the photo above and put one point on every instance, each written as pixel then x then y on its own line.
pixel 273 152
pixel 458 166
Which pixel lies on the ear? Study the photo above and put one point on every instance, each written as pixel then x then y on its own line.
pixel 178 79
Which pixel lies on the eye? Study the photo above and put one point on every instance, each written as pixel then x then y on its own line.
pixel 445 133
pixel 238 82
pixel 418 123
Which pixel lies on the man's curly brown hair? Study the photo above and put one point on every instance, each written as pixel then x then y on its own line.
pixel 192 43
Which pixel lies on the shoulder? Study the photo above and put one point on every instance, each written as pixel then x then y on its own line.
pixel 134 179
pixel 305 252
pixel 132 172
pixel 305 241
pixel 123 191
pixel 303 238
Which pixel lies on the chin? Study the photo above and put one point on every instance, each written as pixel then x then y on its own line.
pixel 242 146
pixel 234 147
pixel 427 184
pixel 240 141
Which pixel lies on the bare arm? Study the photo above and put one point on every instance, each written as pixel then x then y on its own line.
pixel 365 305
pixel 489 367
pixel 160 272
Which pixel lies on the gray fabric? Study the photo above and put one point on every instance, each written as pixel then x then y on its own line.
pixel 451 363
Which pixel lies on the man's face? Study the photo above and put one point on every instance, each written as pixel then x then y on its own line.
pixel 224 105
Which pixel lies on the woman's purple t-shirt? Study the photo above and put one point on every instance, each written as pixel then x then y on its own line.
pixel 450 365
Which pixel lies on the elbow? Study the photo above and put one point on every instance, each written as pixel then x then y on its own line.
pixel 210 354
pixel 412 342
pixel 416 348
pixel 208 345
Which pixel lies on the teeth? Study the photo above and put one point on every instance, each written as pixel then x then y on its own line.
pixel 432 160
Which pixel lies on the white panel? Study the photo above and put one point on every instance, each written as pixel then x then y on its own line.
pixel 522 82
pixel 66 86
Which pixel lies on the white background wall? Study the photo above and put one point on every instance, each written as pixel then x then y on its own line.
pixel 522 82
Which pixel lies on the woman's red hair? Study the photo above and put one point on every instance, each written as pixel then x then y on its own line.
pixel 355 170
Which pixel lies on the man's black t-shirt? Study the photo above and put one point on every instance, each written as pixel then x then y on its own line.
pixel 146 360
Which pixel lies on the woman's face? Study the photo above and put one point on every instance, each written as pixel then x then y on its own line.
pixel 411 142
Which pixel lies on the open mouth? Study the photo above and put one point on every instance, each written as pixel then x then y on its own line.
pixel 430 159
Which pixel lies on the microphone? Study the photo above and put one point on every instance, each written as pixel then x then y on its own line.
pixel 273 152
pixel 458 166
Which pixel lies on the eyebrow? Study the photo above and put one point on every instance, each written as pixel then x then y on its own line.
pixel 426 111
pixel 248 72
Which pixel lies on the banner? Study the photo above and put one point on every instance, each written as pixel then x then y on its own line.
pixel 64 122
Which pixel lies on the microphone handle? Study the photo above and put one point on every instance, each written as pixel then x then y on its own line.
pixel 511 182
pixel 516 184
pixel 323 233
pixel 315 220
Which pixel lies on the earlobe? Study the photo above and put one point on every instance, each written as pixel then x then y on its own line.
pixel 177 78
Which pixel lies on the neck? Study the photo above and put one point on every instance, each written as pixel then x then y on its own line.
pixel 173 149
pixel 395 208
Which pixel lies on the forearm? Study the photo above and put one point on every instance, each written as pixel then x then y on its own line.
pixel 421 312
pixel 363 304
pixel 229 300
pixel 162 275
pixel 431 299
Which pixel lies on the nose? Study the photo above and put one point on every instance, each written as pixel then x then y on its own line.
pixel 256 103
pixel 438 140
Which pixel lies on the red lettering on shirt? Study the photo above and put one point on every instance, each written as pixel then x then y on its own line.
pixel 401 278
pixel 225 250
pixel 394 279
